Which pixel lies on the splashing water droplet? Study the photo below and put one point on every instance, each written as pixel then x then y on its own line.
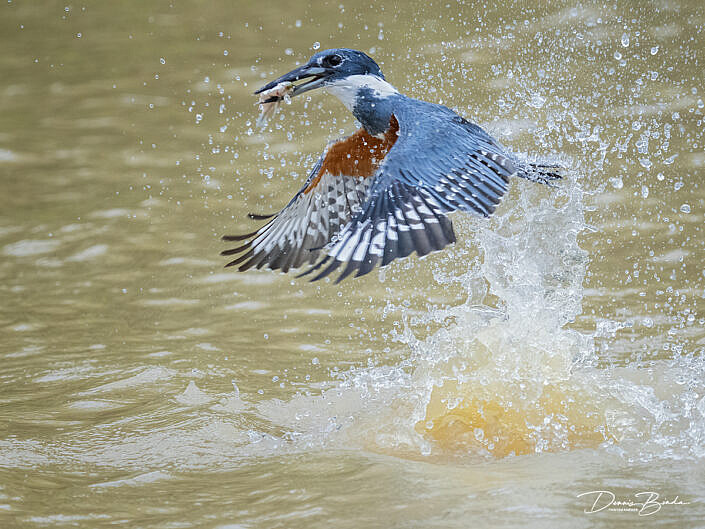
pixel 162 60
pixel 316 45
pixel 625 40
pixel 685 208
pixel 536 101
pixel 654 50
pixel 644 191
pixel 617 55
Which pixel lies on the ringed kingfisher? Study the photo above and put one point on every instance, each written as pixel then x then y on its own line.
pixel 386 190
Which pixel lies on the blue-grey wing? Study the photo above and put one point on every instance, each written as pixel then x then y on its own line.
pixel 454 161
pixel 440 163
pixel 295 235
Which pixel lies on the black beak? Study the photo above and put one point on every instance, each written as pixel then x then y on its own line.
pixel 317 74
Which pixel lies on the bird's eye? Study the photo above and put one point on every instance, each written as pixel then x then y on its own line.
pixel 334 60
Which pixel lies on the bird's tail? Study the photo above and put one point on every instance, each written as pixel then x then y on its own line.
pixel 542 173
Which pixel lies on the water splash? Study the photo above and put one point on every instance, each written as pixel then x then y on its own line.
pixel 505 374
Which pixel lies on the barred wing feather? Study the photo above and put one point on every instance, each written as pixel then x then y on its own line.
pixel 295 235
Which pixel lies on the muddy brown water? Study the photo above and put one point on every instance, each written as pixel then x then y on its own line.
pixel 554 351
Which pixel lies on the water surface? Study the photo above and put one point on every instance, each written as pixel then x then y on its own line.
pixel 555 350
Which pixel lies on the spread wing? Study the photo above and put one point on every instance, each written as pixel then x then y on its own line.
pixel 333 193
pixel 439 164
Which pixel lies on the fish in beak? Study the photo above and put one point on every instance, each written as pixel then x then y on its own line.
pixel 315 75
pixel 283 88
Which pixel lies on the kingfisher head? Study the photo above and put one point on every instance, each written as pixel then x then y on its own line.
pixel 348 74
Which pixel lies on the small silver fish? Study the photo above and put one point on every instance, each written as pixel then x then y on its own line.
pixel 270 100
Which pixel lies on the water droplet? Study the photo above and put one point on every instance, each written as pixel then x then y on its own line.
pixel 536 101
pixel 316 45
pixel 644 191
pixel 645 163
pixel 648 322
pixel 288 51
pixel 685 208
pixel 297 23
pixel 617 55
pixel 617 183
pixel 625 40
pixel 162 60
